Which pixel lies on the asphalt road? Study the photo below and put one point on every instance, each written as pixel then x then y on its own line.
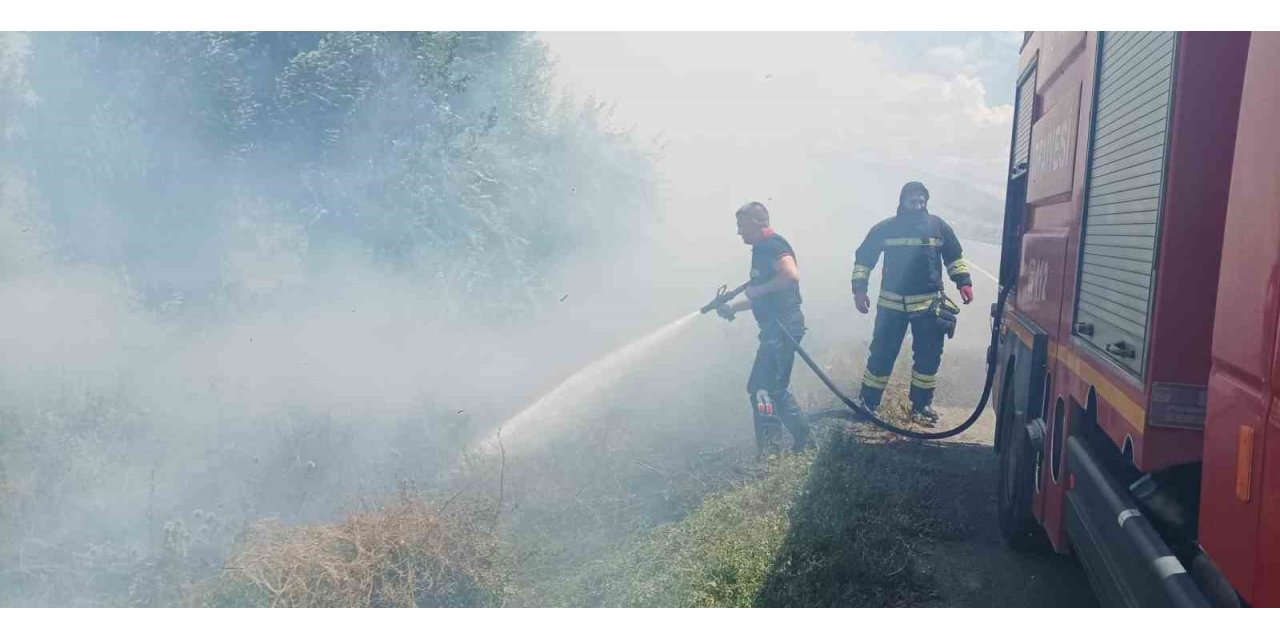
pixel 964 357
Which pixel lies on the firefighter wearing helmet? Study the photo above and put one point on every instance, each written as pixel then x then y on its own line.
pixel 916 246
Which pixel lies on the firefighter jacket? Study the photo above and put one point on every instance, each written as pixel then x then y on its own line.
pixel 916 245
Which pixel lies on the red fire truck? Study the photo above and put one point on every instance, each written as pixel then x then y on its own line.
pixel 1137 376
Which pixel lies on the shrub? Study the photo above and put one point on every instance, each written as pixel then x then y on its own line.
pixel 406 554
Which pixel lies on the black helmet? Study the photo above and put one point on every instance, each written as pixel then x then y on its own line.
pixel 911 187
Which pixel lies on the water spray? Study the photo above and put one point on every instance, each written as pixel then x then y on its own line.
pixel 586 382
pixel 605 371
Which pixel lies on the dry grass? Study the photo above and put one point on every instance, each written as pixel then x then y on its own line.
pixel 844 526
pixel 410 553
pixel 848 365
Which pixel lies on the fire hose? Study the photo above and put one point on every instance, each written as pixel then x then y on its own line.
pixel 855 411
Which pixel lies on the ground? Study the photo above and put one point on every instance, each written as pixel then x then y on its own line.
pixel 863 521
pixel 975 568
pixel 635 508
pixel 868 520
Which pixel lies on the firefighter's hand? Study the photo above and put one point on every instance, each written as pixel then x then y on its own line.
pixel 725 311
pixel 863 301
pixel 966 293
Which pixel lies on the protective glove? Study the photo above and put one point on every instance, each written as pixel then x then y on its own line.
pixel 862 300
pixel 724 311
pixel 946 311
pixel 947 322
pixel 966 293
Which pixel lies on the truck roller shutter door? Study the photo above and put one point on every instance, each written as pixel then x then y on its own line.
pixel 1122 207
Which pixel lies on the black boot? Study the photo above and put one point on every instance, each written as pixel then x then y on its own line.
pixel 768 437
pixel 803 444
pixel 768 425
pixel 788 410
pixel 867 405
pixel 924 414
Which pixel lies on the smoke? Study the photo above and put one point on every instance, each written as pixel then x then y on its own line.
pixel 824 128
pixel 271 276
pixel 277 275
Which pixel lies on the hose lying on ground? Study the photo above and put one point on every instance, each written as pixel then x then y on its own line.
pixel 856 412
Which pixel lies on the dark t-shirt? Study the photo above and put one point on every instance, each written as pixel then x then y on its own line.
pixel 764 260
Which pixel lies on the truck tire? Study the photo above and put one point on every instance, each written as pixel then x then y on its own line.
pixel 1016 483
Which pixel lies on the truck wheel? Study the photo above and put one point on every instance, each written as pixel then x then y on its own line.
pixel 1016 483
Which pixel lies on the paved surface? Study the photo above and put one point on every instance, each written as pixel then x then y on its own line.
pixel 964 359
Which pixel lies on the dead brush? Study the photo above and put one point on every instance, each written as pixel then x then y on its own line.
pixel 895 408
pixel 406 554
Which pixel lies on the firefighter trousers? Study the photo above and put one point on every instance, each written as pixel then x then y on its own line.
pixel 771 373
pixel 926 350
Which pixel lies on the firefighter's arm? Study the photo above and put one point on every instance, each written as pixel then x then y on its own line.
pixel 865 259
pixel 730 309
pixel 953 260
pixel 787 276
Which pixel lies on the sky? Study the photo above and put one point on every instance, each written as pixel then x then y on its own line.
pixel 940 103
pixel 824 128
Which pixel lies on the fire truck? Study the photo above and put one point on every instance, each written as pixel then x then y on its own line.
pixel 1137 368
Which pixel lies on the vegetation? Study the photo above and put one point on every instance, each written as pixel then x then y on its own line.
pixel 180 178
pixel 167 193
pixel 446 152
pixel 409 553
pixel 840 527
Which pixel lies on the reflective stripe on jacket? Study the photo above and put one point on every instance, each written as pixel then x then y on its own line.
pixel 915 245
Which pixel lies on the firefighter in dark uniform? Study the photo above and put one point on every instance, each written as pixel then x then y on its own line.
pixel 773 296
pixel 916 245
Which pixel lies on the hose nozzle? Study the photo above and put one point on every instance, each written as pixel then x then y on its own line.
pixel 723 295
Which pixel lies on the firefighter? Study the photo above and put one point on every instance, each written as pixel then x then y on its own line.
pixel 916 245
pixel 773 296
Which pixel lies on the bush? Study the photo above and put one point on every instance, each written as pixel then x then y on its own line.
pixel 406 554
pixel 161 192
